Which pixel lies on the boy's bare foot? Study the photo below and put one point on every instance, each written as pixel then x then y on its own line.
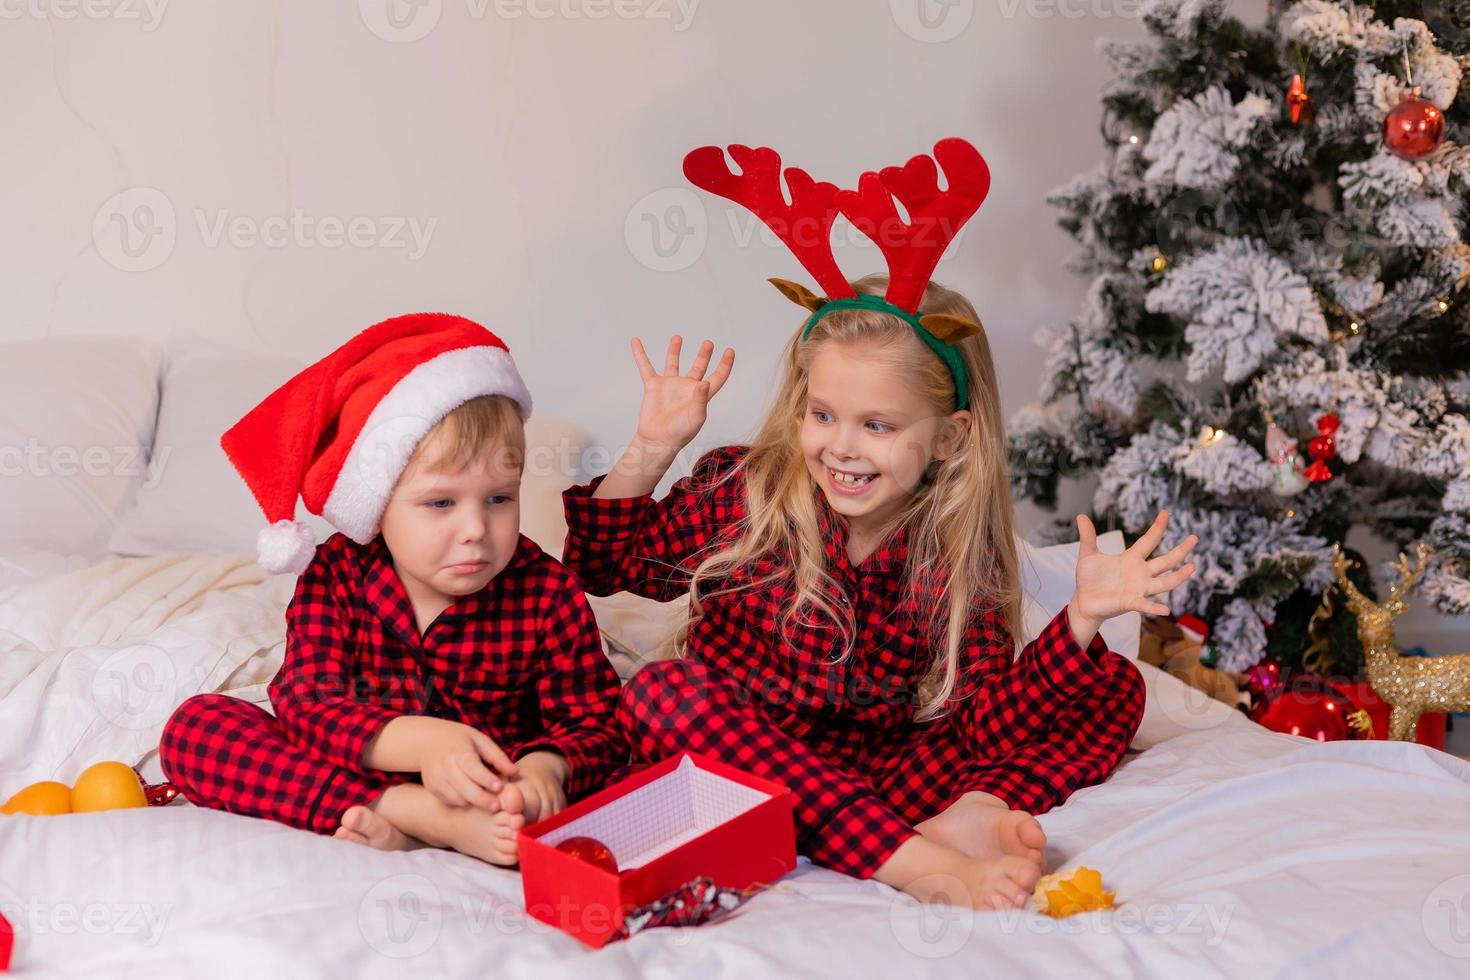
pixel 982 826
pixel 362 826
pixel 936 874
pixel 470 830
pixel 512 800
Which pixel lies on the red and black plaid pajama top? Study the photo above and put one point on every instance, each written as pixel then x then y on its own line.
pixel 1028 728
pixel 520 660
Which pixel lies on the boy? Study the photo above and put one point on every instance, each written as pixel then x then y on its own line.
pixel 444 681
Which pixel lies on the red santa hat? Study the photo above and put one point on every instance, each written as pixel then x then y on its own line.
pixel 340 433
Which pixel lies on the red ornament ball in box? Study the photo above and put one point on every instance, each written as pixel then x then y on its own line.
pixel 591 850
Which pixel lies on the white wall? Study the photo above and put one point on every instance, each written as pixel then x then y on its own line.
pixel 531 153
pixel 527 147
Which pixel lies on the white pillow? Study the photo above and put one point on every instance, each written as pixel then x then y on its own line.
pixel 195 501
pixel 554 448
pixel 198 502
pixel 1174 708
pixel 1048 576
pixel 75 422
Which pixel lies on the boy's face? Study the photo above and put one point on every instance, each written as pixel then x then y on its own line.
pixel 453 528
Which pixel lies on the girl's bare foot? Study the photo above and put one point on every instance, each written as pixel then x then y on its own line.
pixel 470 830
pixel 936 874
pixel 982 826
pixel 363 826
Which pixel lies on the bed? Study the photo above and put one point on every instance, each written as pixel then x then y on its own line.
pixel 1233 851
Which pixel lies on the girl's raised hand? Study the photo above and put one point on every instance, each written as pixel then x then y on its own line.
pixel 1111 585
pixel 675 404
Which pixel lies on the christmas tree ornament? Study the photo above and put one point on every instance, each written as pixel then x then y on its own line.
pixel 591 850
pixel 1414 128
pixel 1263 680
pixel 1068 893
pixel 1310 707
pixel 1412 685
pixel 1285 460
pixel 1299 102
pixel 1322 447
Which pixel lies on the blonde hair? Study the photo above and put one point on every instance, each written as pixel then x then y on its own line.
pixel 962 548
pixel 485 422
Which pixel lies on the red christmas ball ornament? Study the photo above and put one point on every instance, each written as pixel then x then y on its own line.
pixel 1299 102
pixel 1322 448
pixel 591 850
pixel 1309 706
pixel 1414 128
pixel 1263 680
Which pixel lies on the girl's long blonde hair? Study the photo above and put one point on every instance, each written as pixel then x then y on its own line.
pixel 962 548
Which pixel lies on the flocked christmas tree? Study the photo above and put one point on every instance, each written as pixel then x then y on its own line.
pixel 1276 254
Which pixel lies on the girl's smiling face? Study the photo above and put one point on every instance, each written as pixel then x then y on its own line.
pixel 867 436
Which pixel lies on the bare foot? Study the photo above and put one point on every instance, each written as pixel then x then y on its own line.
pixel 363 826
pixel 512 800
pixel 939 875
pixel 982 826
pixel 470 830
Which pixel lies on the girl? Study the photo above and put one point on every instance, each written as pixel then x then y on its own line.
pixel 854 597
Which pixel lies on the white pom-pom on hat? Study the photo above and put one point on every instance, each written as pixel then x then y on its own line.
pixel 285 546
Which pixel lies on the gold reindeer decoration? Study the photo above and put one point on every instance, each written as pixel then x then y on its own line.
pixel 1410 685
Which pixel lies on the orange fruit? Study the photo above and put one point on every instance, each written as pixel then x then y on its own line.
pixel 40 799
pixel 107 786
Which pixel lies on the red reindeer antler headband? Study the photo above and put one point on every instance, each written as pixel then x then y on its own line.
pixel 911 248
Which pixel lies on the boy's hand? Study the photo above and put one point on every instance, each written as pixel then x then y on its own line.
pixel 453 759
pixel 542 775
pixel 1110 585
pixel 675 405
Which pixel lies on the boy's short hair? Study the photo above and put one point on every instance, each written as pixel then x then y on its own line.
pixel 483 423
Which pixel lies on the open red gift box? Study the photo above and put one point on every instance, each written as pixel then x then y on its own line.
pixel 683 818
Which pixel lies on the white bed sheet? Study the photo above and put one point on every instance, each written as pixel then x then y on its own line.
pixel 1234 851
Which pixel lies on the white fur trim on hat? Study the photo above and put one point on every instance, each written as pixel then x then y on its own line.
pixel 401 420
pixel 285 546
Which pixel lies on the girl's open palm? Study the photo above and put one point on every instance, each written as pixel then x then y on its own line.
pixel 1111 585
pixel 676 404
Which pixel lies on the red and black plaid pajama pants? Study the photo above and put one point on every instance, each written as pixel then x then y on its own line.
pixel 232 755
pixel 860 793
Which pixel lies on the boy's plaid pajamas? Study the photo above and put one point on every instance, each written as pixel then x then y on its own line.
pixel 520 660
pixel 1029 729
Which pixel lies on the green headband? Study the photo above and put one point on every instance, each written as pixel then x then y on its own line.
pixel 946 352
